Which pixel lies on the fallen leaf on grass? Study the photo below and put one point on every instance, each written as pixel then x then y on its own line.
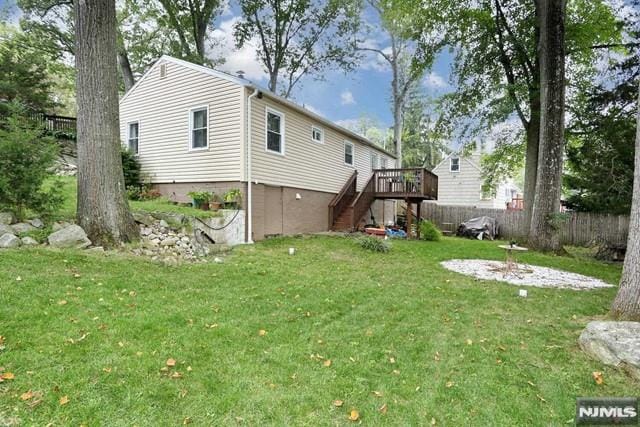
pixel 18 279
pixel 7 376
pixel 262 332
pixel 26 395
pixel 171 362
pixel 598 378
pixel 327 363
pixel 433 421
pixel 542 399
pixel 436 357
pixel 450 384
pixel 354 415
pixel 469 342
pixel 186 421
pixel 392 360
pixel 62 302
pixel 176 375
pixel 107 369
pixel 377 393
pixel 383 409
pixel 338 403
pixel 64 400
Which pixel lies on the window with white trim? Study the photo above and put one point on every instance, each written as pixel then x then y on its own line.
pixel 317 134
pixel 383 162
pixel 454 164
pixel 374 161
pixel 199 128
pixel 133 136
pixel 348 153
pixel 275 132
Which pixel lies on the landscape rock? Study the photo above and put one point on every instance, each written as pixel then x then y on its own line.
pixel 7 218
pixel 57 226
pixel 4 229
pixel 8 240
pixel 170 241
pixel 95 249
pixel 22 227
pixel 143 218
pixel 29 241
pixel 164 223
pixel 72 236
pixel 36 222
pixel 614 344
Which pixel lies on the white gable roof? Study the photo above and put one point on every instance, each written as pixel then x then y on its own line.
pixel 467 159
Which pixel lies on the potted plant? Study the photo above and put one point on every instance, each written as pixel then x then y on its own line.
pixel 215 203
pixel 232 199
pixel 200 199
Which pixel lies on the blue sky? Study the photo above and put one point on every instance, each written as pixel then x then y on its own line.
pixel 340 97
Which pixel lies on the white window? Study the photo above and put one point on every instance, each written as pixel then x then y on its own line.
pixel 199 128
pixel 133 135
pixel 275 132
pixel 454 165
pixel 348 153
pixel 374 161
pixel 383 162
pixel 317 134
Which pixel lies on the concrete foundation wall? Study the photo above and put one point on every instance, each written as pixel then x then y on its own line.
pixel 280 210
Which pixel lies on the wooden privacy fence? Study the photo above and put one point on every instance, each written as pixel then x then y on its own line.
pixel 581 228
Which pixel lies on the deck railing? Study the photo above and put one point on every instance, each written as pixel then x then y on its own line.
pixel 53 123
pixel 406 183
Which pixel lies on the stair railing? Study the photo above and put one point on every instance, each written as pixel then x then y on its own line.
pixel 341 200
pixel 363 202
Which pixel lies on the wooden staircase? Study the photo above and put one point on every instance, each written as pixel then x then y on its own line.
pixel 412 185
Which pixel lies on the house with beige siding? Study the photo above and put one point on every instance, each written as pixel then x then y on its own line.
pixel 195 128
pixel 460 183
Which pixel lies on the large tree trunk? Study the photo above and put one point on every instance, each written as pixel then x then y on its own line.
pixel 627 303
pixel 531 159
pixel 125 69
pixel 397 130
pixel 103 210
pixel 543 234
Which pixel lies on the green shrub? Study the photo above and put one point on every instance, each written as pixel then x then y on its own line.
pixel 27 160
pixel 374 244
pixel 131 169
pixel 143 193
pixel 428 231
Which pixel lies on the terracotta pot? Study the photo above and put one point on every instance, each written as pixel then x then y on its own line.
pixel 215 205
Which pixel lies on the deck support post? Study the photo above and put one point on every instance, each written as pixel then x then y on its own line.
pixel 409 219
pixel 418 217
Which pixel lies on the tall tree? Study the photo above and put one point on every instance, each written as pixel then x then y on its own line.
pixel 496 69
pixel 424 145
pixel 627 303
pixel 25 73
pixel 298 38
pixel 405 72
pixel 103 210
pixel 191 21
pixel 543 234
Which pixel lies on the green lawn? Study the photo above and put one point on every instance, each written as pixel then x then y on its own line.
pixel 399 330
pixel 68 209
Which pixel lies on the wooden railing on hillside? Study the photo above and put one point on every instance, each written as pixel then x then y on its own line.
pixel 406 183
pixel 53 123
pixel 363 202
pixel 342 200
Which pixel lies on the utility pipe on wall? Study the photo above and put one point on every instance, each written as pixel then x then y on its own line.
pixel 249 237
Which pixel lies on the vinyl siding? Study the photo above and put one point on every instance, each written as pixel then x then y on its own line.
pixel 305 164
pixel 463 187
pixel 162 108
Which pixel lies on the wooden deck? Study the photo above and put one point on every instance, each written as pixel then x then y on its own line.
pixel 412 185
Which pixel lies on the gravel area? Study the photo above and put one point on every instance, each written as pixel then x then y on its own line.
pixel 527 275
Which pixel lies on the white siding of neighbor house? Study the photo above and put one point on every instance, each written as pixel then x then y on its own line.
pixel 162 108
pixel 306 163
pixel 465 187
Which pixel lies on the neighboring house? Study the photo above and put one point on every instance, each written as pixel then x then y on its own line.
pixel 195 128
pixel 460 183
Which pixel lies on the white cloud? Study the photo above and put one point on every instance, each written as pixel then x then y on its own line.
pixel 346 98
pixel 236 59
pixel 434 81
